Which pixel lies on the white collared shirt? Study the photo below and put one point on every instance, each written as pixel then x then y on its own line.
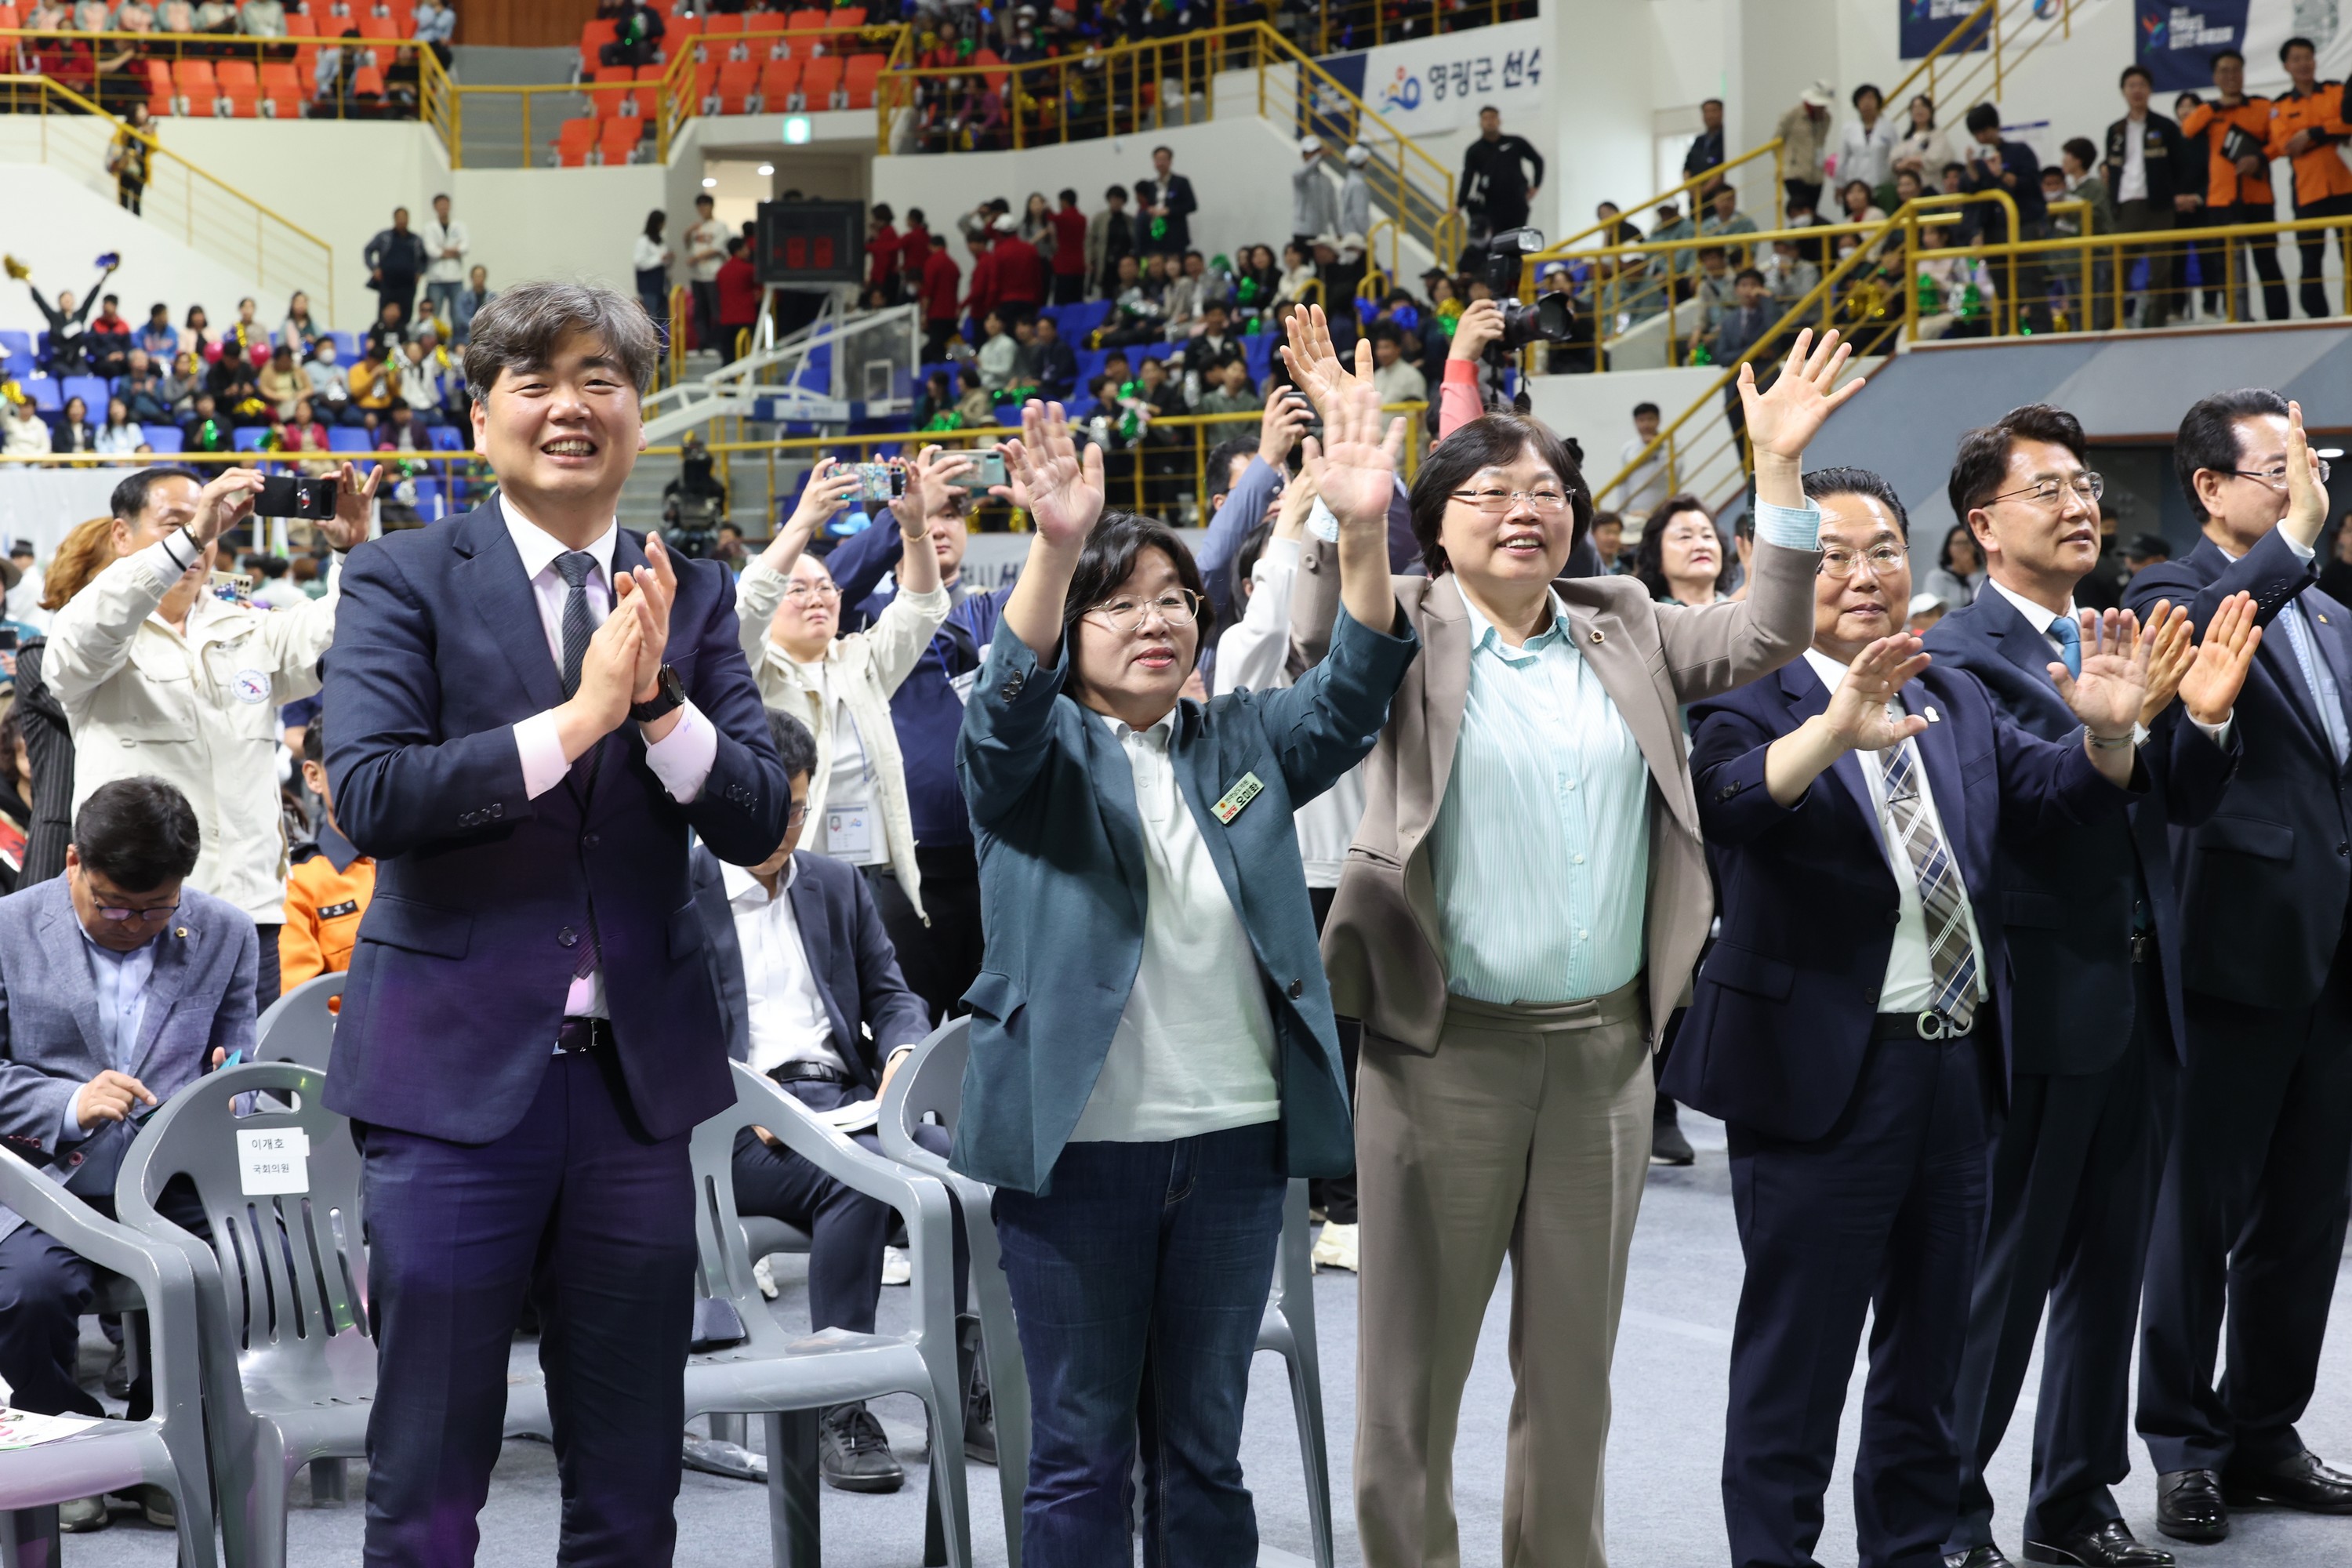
pixel 1194 1050
pixel 783 1012
pixel 119 982
pixel 2132 186
pixel 681 758
pixel 1910 985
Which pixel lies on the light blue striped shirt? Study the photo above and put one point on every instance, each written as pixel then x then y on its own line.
pixel 1541 848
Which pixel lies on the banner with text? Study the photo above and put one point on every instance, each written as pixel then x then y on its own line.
pixel 2176 42
pixel 1926 23
pixel 1440 83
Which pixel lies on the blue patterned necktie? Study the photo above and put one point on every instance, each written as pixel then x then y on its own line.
pixel 575 565
pixel 2069 638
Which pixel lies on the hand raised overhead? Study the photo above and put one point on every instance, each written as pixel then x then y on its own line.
pixel 1784 420
pixel 1062 486
pixel 1354 466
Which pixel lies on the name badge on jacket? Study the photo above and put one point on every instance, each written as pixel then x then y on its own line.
pixel 1240 795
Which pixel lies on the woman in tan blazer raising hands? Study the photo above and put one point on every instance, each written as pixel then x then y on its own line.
pixel 1520 913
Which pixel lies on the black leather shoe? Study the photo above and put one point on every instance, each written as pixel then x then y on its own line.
pixel 1977 1557
pixel 852 1453
pixel 2110 1546
pixel 2302 1482
pixel 1667 1144
pixel 2189 1506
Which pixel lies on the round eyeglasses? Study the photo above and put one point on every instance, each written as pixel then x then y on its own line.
pixel 1176 607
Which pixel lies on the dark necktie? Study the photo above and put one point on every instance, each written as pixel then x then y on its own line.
pixel 575 566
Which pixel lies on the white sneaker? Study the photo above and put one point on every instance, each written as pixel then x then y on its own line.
pixel 1336 1247
pixel 765 1278
pixel 897 1267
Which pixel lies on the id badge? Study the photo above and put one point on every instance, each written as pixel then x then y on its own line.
pixel 850 831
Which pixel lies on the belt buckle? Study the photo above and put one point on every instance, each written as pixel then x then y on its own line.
pixel 1930 1024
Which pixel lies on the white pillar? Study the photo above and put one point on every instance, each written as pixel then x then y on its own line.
pixel 1597 69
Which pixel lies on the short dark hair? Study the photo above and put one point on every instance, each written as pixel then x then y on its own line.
pixel 1490 440
pixel 136 833
pixel 1490 108
pixel 1067 195
pixel 1642 408
pixel 1116 193
pixel 1245 558
pixel 2298 41
pixel 1983 460
pixel 1109 557
pixel 2083 151
pixel 314 740
pixel 2138 70
pixel 882 211
pixel 1869 86
pixel 1983 117
pixel 2209 438
pixel 1650 550
pixel 914 215
pixel 2219 57
pixel 130 497
pixel 1222 458
pixel 1857 482
pixel 703 199
pixel 1745 273
pixel 1164 147
pixel 795 747
pixel 519 328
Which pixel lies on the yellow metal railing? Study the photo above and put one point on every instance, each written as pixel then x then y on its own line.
pixel 60 127
pixel 1362 24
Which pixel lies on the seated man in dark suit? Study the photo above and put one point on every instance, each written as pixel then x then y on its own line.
pixel 811 994
pixel 119 986
pixel 1851 1026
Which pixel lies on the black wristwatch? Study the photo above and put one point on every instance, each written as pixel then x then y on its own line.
pixel 669 694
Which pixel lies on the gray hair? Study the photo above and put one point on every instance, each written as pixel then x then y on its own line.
pixel 519 328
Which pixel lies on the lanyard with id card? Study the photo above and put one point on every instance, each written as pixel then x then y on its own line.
pixel 849 829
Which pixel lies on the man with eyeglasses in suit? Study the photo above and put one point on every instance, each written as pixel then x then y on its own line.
pixel 2250 1221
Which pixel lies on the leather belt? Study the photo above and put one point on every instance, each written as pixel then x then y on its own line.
pixel 1922 1025
pixel 577 1034
pixel 809 1072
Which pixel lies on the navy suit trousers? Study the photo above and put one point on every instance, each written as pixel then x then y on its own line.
pixel 1882 1214
pixel 580 1204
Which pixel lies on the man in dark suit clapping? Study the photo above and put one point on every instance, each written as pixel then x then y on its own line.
pixel 534 708
pixel 2250 1221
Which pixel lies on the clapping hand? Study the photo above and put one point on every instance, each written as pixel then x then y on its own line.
pixel 2172 649
pixel 1063 486
pixel 354 506
pixel 2210 689
pixel 1857 714
pixel 647 592
pixel 1781 422
pixel 2107 696
pixel 1354 466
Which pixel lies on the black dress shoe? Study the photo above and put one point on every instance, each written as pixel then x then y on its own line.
pixel 2302 1482
pixel 2189 1506
pixel 2108 1546
pixel 852 1453
pixel 1667 1144
pixel 1986 1557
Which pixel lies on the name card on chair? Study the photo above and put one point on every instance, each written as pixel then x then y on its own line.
pixel 274 1160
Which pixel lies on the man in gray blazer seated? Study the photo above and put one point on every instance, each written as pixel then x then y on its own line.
pixel 118 987
pixel 811 994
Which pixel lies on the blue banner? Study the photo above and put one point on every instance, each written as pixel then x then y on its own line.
pixel 2176 42
pixel 1926 23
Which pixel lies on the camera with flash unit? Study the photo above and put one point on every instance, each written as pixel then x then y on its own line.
pixel 1551 319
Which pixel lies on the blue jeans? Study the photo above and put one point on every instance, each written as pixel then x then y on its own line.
pixel 443 297
pixel 1140 1281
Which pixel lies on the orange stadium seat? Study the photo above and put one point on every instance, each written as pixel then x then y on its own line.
pixel 594 37
pixel 404 16
pixel 367 82
pixel 193 79
pixel 821 81
pixel 809 21
pixel 605 75
pixel 8 16
pixel 574 141
pixel 158 87
pixel 620 139
pixel 849 17
pixel 380 29
pixel 281 91
pixel 737 79
pixel 241 85
pixel 301 26
pixel 858 81
pixel 778 79
pixel 604 97
pixel 682 33
pixel 717 45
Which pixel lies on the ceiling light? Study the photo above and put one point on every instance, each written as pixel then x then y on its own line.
pixel 708 183
pixel 766 170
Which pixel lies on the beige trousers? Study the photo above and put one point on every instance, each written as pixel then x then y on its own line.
pixel 1527 1132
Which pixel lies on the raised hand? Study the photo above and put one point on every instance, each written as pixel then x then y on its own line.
pixel 830 485
pixel 927 476
pixel 1354 466
pixel 1783 421
pixel 354 506
pixel 2307 498
pixel 223 503
pixel 1314 360
pixel 2172 649
pixel 2210 689
pixel 1857 714
pixel 647 592
pixel 2107 696
pixel 1063 487
pixel 1297 501
pixel 1479 326
pixel 1284 420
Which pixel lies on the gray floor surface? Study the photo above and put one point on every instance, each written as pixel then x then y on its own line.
pixel 1664 1508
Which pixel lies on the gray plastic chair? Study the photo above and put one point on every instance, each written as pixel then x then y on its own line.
pixel 299 1025
pixel 281 1293
pixel 789 1379
pixel 930 1087
pixel 167 1451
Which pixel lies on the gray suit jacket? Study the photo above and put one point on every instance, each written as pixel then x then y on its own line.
pixel 1382 945
pixel 199 998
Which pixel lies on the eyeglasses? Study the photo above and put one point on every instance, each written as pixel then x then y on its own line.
pixel 126 917
pixel 802 593
pixel 2276 478
pixel 1498 502
pixel 1880 559
pixel 1177 607
pixel 2089 486
pixel 796 815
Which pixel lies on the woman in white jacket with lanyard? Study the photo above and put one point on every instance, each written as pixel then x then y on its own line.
pixel 840 686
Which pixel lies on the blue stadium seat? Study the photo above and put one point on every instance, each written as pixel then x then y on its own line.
pixel 248 438
pixel 350 438
pixel 347 347
pixel 18 360
pixel 430 503
pixel 43 391
pixel 1077 321
pixel 446 438
pixel 92 390
pixel 1257 352
pixel 1152 350
pixel 1091 363
pixel 164 438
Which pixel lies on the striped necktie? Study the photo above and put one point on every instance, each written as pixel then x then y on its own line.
pixel 1952 955
pixel 574 566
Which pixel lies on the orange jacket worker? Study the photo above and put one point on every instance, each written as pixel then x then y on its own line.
pixel 2306 123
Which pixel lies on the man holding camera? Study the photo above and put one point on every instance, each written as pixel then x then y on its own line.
pixel 165 667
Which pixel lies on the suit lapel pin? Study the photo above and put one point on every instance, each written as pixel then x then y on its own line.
pixel 181 934
pixel 1933 717
pixel 1596 634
